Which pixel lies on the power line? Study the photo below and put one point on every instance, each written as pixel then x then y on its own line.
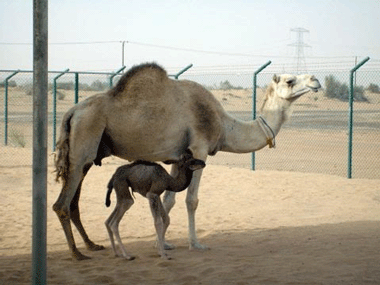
pixel 199 51
pixel 299 44
pixel 63 43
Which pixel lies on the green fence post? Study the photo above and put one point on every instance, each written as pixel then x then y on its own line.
pixel 183 71
pixel 253 162
pixel 6 106
pixel 55 107
pixel 351 115
pixel 76 88
pixel 113 75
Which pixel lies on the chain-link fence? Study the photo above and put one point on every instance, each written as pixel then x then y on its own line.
pixel 314 140
pixel 16 128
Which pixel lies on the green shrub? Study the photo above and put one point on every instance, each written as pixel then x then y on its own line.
pixel 336 90
pixel 60 95
pixel 18 138
pixel 97 85
pixel 11 83
pixel 373 88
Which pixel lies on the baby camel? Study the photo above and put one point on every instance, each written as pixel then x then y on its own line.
pixel 150 180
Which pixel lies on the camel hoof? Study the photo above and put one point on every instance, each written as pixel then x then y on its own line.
pixel 130 257
pixel 165 256
pixel 125 256
pixel 169 246
pixel 78 256
pixel 95 247
pixel 199 247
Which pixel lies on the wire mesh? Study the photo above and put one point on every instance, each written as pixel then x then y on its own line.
pixel 314 140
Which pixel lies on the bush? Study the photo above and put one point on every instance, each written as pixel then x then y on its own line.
pixel 373 88
pixel 18 138
pixel 224 85
pixel 61 95
pixel 337 90
pixel 11 83
pixel 65 85
pixel 97 85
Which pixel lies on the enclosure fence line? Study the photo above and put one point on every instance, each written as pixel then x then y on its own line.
pixel 81 84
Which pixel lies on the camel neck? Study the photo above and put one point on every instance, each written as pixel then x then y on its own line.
pixel 271 136
pixel 249 136
pixel 181 181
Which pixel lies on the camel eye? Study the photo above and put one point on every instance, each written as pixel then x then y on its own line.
pixel 291 82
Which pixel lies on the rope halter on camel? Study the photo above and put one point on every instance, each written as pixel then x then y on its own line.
pixel 271 137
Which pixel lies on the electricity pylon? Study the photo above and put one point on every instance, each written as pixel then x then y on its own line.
pixel 300 45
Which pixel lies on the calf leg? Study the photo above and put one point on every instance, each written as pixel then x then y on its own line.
pixel 161 222
pixel 124 202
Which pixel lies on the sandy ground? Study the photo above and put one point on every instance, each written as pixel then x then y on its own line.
pixel 263 227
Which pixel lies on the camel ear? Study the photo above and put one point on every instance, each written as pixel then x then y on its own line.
pixel 276 78
pixel 196 164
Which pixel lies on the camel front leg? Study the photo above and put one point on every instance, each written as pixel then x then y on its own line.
pixel 192 205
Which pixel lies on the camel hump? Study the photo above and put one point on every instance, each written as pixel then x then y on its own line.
pixel 137 78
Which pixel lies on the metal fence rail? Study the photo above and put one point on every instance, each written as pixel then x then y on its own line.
pixel 314 140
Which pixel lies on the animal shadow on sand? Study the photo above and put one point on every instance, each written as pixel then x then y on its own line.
pixel 344 253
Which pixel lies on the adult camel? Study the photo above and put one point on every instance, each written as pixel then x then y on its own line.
pixel 149 116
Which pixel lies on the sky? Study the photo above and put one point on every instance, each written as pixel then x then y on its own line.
pixel 87 35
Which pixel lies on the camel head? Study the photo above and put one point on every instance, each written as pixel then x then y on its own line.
pixel 188 161
pixel 290 87
pixel 286 88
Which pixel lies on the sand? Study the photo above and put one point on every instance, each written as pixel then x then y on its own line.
pixel 263 227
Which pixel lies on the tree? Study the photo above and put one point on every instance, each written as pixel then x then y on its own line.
pixel 97 85
pixel 373 88
pixel 337 90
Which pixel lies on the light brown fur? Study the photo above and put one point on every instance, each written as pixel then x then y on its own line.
pixel 148 116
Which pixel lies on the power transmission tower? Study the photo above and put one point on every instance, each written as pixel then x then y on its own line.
pixel 300 45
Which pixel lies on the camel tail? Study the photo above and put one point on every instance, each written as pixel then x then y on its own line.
pixel 62 161
pixel 110 187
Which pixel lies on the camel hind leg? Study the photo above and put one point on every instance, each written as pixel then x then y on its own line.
pixel 67 209
pixel 75 215
pixel 62 207
pixel 77 148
